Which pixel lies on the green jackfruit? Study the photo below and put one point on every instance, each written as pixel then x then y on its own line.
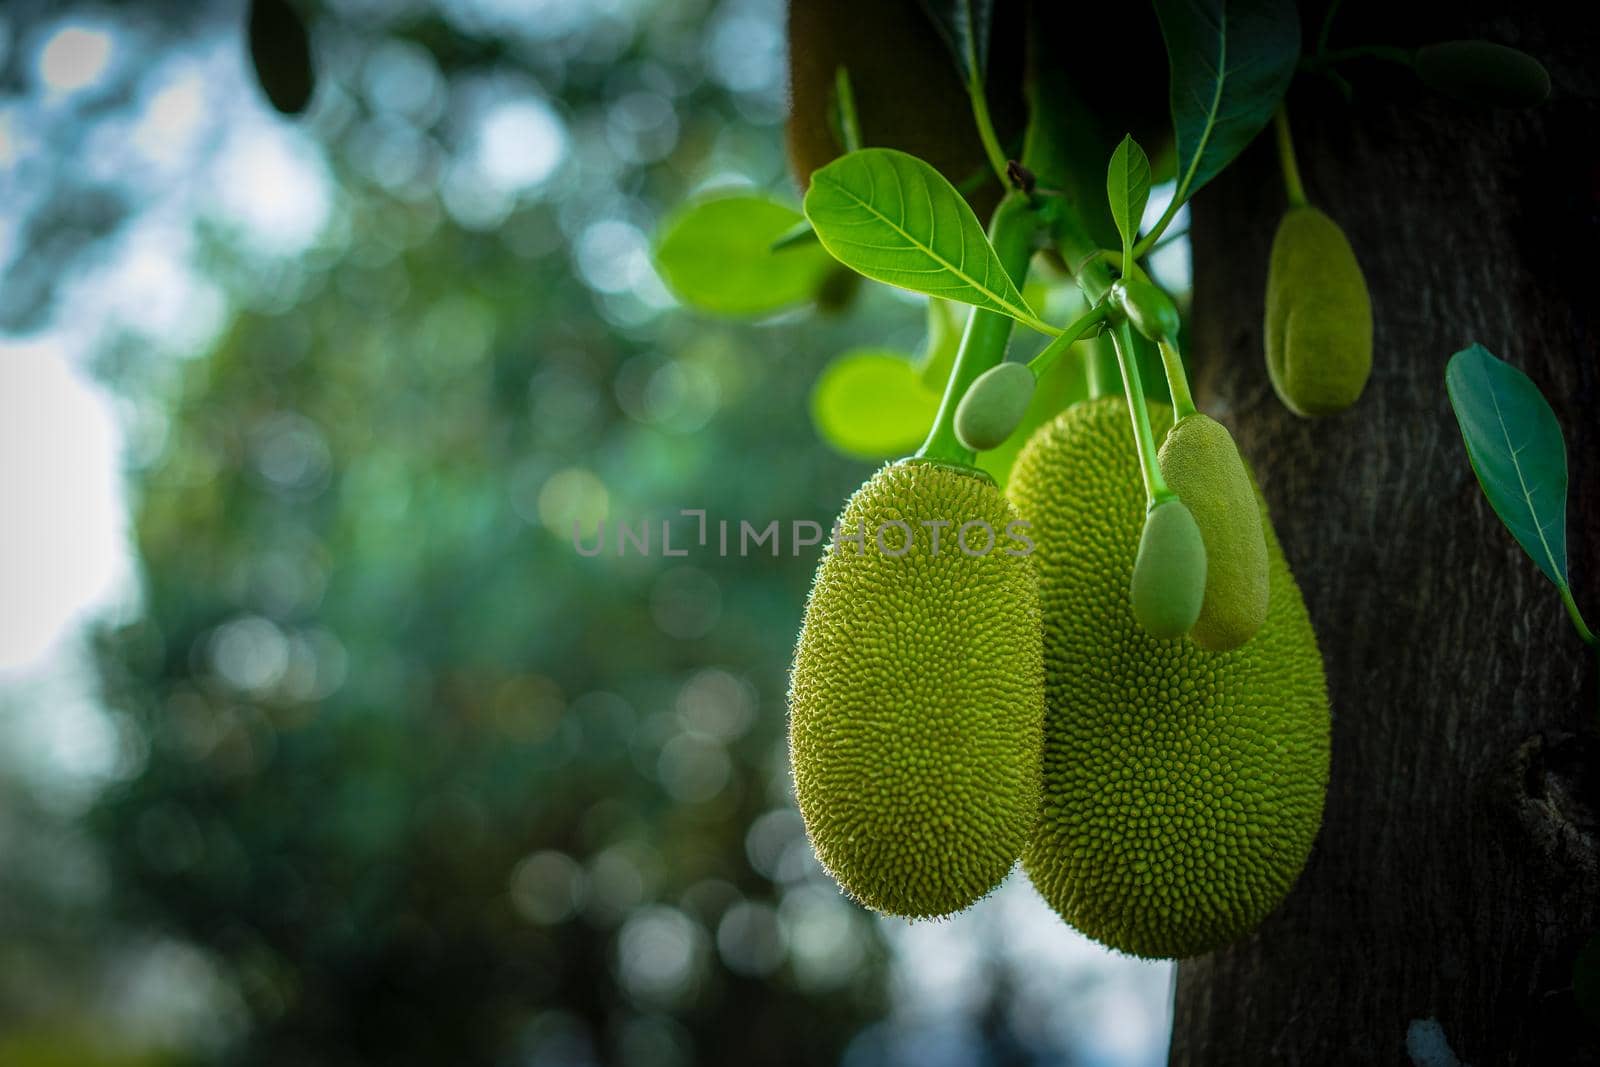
pixel 917 695
pixel 1169 572
pixel 1319 317
pixel 1151 311
pixel 1202 465
pixel 1182 788
pixel 994 405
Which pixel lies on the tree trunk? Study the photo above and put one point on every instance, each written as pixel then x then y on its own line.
pixel 1457 874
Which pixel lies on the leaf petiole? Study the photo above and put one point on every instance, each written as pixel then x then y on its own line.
pixel 1177 382
pixel 1388 52
pixel 1148 241
pixel 845 102
pixel 1584 632
pixel 1155 486
pixel 1286 159
pixel 986 134
pixel 1075 332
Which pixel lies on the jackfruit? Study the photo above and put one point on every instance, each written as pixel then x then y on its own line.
pixel 994 405
pixel 1182 788
pixel 1319 316
pixel 1151 311
pixel 917 693
pixel 1202 465
pixel 1169 572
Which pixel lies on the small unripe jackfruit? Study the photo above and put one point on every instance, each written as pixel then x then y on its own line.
pixel 1482 72
pixel 1202 465
pixel 1151 311
pixel 1182 788
pixel 1169 572
pixel 1319 317
pixel 994 406
pixel 917 700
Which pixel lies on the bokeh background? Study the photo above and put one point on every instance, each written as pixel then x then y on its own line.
pixel 319 744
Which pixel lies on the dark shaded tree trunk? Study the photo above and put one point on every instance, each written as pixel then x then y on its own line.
pixel 1457 874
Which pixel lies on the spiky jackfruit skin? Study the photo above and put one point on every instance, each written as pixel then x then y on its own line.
pixel 1182 788
pixel 917 697
pixel 1202 465
pixel 1319 317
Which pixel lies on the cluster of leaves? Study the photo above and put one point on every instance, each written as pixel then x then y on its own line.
pixel 896 219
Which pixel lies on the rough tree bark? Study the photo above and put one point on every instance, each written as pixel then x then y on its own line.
pixel 1458 869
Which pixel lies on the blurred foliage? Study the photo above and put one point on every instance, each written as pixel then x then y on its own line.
pixel 404 778
pixel 430 786
pixel 431 783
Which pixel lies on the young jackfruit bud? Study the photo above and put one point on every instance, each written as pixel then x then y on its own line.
pixel 1319 318
pixel 1202 465
pixel 994 406
pixel 917 696
pixel 1151 311
pixel 1482 72
pixel 1169 573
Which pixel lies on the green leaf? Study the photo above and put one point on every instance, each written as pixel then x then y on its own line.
pixel 795 236
pixel 1232 61
pixel 895 219
pixel 1516 449
pixel 871 404
pixel 1128 188
pixel 717 256
pixel 964 25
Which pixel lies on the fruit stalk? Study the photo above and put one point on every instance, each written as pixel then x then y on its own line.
pixel 983 344
pixel 1177 381
pixel 1093 277
pixel 1155 486
pixel 1286 158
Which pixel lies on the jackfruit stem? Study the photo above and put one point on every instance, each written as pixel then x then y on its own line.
pixel 1156 491
pixel 983 343
pixel 1177 382
pixel 1094 278
pixel 1286 159
pixel 1075 332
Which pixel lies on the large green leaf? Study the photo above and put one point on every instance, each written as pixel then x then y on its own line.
pixel 964 25
pixel 717 256
pixel 1231 61
pixel 1128 188
pixel 871 404
pixel 895 219
pixel 1516 449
